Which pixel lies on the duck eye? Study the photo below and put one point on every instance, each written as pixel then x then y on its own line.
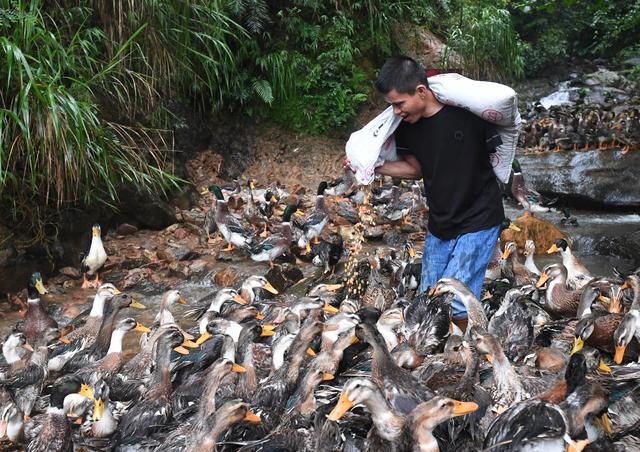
pixel 456 348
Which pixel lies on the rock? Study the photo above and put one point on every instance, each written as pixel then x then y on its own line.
pixel 71 272
pixel 284 276
pixel 624 246
pixel 543 233
pixel 180 234
pixel 225 277
pixel 421 44
pixel 126 229
pixel 198 267
pixel 603 77
pixel 147 210
pixel 601 178
pixel 179 253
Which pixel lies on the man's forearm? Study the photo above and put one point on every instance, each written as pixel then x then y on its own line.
pixel 399 168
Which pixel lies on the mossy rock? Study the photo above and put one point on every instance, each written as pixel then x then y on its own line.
pixel 543 233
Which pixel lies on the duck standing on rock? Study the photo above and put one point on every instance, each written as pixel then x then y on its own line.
pixel 94 259
pixel 314 224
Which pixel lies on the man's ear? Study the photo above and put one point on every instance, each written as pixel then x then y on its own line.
pixel 422 90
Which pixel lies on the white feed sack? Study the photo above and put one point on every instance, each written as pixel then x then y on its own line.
pixel 370 146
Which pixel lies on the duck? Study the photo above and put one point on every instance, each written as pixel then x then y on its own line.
pixel 629 326
pixel 113 361
pixel 55 434
pixel 398 431
pixel 315 222
pixel 506 387
pixel 94 259
pixel 275 245
pixel 520 274
pixel 328 253
pixel 397 209
pixel 528 198
pixel 25 383
pixel 596 327
pixel 540 425
pixel 402 389
pixel 87 324
pixel 164 315
pixel 229 226
pixel 103 420
pixel 256 213
pixel 529 252
pixel 14 349
pixel 577 274
pixel 153 410
pixel 513 325
pixel 343 186
pixel 427 324
pixel 475 313
pixel 36 319
pixel 377 293
pixel 494 267
pixel 559 301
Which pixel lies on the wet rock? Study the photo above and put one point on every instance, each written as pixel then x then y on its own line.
pixel 543 233
pixel 71 272
pixel 225 277
pixel 180 234
pixel 126 229
pixel 179 253
pixel 198 267
pixel 601 178
pixel 603 77
pixel 231 256
pixel 421 44
pixel 373 232
pixel 394 238
pixel 624 246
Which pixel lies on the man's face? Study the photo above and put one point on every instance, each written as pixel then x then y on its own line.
pixel 409 106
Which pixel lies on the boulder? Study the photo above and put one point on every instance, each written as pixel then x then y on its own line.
pixel 421 44
pixel 597 178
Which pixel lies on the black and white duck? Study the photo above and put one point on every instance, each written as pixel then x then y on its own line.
pixel 577 274
pixel 315 222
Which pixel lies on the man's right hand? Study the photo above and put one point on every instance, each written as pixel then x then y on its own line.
pixel 347 164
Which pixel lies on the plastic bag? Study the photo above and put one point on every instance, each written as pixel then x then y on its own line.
pixel 370 146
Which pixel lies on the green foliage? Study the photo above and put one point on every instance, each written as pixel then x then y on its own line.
pixel 485 39
pixel 55 150
pixel 557 29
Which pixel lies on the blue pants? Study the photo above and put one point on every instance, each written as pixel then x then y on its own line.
pixel 465 258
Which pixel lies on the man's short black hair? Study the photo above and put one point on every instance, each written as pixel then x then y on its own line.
pixel 401 73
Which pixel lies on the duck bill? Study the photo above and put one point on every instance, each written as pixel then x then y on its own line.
pixel 542 280
pixel 237 368
pixel 412 252
pixel 330 309
pixel 181 350
pixel 204 191
pixel 136 304
pixel 578 343
pixel 98 410
pixel 95 232
pixel 259 316
pixel 267 330
pixel 182 301
pixel 354 340
pixel 625 286
pixel 553 249
pixel 434 292
pixel 343 405
pixel 252 417
pixel 40 287
pixel 86 391
pixel 203 338
pixel 506 254
pixel 116 291
pixel 513 227
pixel 311 352
pixel 605 423
pixel 299 212
pixel 269 288
pixel 28 347
pixel 603 367
pixel 64 340
pixel 462 408
pixel 615 305
pixel 326 376
pixel 618 357
pixel 489 357
pixel 189 344
pixel 143 329
pixel 238 299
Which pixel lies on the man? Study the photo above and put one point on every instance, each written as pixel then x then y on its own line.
pixel 449 148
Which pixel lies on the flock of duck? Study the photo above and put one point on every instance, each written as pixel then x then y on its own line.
pixel 348 359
